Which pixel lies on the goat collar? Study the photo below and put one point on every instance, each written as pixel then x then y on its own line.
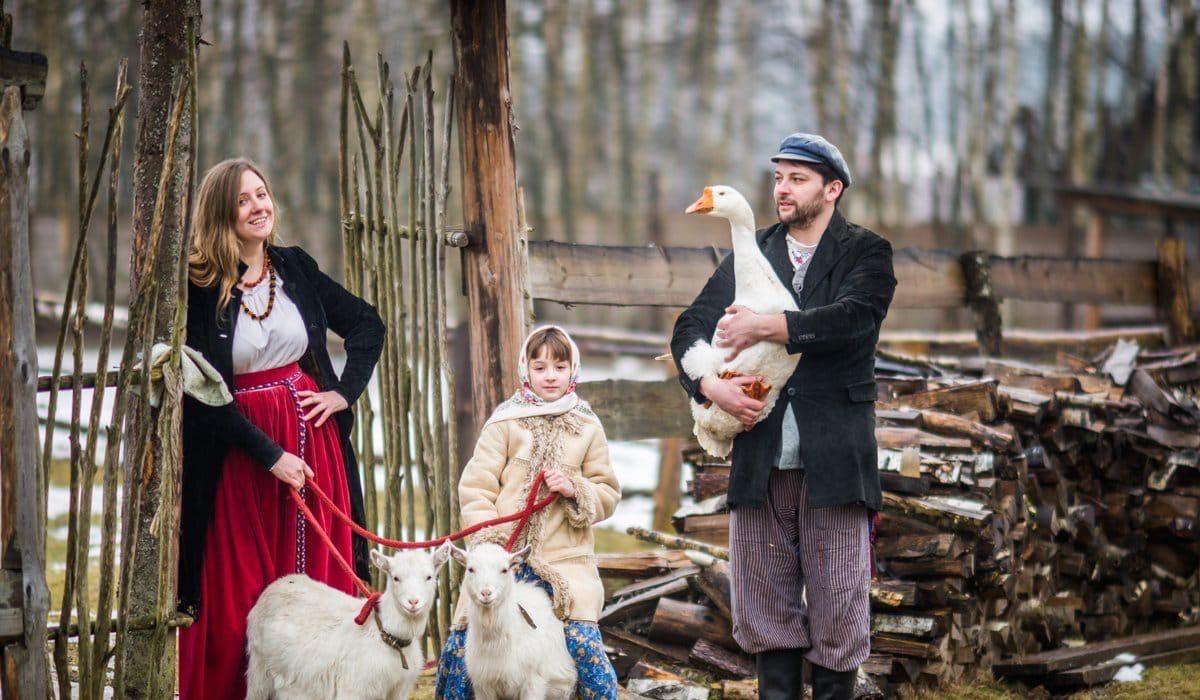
pixel 392 640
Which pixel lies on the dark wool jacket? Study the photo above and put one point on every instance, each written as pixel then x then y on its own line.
pixel 209 432
pixel 847 291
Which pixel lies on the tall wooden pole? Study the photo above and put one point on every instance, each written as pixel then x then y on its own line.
pixel 494 264
pixel 23 575
pixel 148 662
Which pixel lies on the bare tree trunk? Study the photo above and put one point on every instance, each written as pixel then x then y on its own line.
pixel 847 132
pixel 626 176
pixel 706 82
pixel 314 78
pixel 1076 166
pixel 554 25
pixel 927 124
pixel 1051 100
pixel 164 56
pixel 824 60
pixel 589 96
pixel 1184 119
pixel 1005 240
pixel 887 35
pixel 233 92
pixel 1162 98
pixel 532 157
pixel 1135 64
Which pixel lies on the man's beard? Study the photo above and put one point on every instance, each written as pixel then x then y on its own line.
pixel 802 215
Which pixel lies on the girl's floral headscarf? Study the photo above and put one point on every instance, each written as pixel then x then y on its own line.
pixel 525 402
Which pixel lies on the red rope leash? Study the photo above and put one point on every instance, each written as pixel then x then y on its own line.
pixel 532 505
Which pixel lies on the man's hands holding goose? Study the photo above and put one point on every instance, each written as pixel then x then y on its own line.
pixel 740 328
pixel 728 394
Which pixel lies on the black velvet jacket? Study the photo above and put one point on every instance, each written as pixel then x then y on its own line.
pixel 208 432
pixel 847 291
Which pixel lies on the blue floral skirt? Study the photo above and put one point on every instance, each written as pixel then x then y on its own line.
pixel 597 679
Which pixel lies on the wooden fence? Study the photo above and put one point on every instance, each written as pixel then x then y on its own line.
pixel 927 279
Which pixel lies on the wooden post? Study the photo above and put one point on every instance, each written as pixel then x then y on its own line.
pixel 24 669
pixel 670 464
pixel 164 51
pixel 981 297
pixel 1093 247
pixel 494 261
pixel 1173 302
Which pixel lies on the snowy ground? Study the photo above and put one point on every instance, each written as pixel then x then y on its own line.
pixel 636 462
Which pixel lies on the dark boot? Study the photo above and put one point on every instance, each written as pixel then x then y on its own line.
pixel 780 674
pixel 833 685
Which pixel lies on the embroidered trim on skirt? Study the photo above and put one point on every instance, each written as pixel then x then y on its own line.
pixel 256 533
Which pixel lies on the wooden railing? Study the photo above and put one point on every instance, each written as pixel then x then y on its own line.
pixel 927 279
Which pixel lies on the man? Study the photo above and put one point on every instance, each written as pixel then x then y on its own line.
pixel 804 479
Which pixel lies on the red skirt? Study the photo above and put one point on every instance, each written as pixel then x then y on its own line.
pixel 257 534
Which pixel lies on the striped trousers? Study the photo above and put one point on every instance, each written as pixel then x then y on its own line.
pixel 801 576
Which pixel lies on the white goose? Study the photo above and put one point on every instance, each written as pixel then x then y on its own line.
pixel 759 289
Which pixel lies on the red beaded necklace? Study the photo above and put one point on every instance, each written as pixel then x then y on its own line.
pixel 261 274
pixel 269 271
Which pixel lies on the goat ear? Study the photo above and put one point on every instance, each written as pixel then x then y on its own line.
pixel 441 555
pixel 518 557
pixel 379 560
pixel 459 555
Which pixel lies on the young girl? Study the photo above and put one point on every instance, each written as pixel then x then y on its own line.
pixel 545 426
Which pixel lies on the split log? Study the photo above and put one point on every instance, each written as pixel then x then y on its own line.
pixel 683 623
pixel 705 654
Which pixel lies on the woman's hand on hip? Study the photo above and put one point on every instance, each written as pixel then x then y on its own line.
pixel 324 404
pixel 558 483
pixel 291 470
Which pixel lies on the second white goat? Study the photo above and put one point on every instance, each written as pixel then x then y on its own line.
pixel 515 645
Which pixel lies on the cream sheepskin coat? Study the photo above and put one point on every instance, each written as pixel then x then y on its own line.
pixel 496 481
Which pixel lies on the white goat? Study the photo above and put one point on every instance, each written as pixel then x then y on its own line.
pixel 304 644
pixel 516 648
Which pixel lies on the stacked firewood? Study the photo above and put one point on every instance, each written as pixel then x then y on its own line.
pixel 1025 507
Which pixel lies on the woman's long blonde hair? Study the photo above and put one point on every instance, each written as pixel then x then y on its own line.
pixel 214 255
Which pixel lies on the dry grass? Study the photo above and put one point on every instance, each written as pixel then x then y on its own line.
pixel 1161 683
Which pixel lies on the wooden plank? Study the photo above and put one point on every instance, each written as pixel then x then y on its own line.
pixel 672 652
pixel 1062 659
pixel 619 275
pixel 26 71
pixel 976 397
pixel 21 532
pixel 1174 303
pixel 11 610
pixel 708 655
pixel 645 600
pixel 679 622
pixel 1092 280
pixel 639 564
pixel 1104 672
pixel 672 276
pixel 636 410
pixel 646 584
pixel 1120 200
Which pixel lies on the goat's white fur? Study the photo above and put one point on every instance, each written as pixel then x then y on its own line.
pixel 505 656
pixel 304 644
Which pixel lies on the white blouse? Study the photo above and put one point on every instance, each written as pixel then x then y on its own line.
pixel 276 341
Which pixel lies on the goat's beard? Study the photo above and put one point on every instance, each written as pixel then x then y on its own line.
pixel 802 215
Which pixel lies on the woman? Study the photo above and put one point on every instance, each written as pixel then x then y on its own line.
pixel 259 313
